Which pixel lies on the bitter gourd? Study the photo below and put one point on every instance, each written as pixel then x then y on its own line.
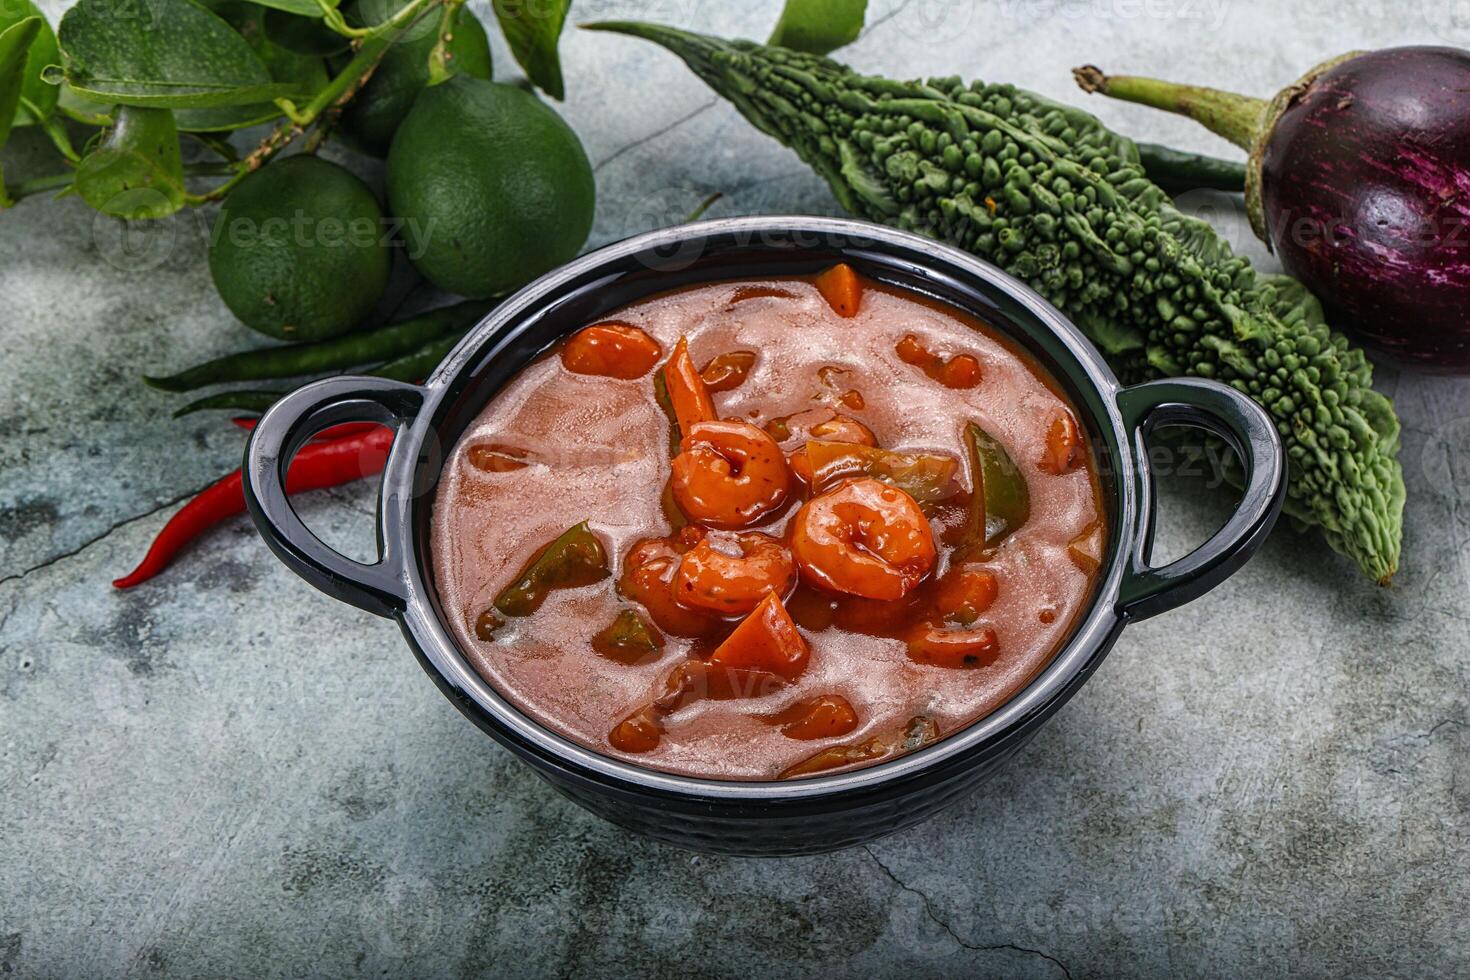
pixel 1052 196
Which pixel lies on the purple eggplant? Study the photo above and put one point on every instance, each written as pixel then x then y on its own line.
pixel 1359 179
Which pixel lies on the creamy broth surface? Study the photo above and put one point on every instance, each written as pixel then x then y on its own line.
pixel 598 451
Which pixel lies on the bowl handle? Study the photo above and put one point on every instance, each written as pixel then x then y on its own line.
pixel 1217 408
pixel 380 588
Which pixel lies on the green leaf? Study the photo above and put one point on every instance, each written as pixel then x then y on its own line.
pixel 161 53
pixel 303 8
pixel 819 26
pixel 15 44
pixel 531 28
pixel 307 73
pixel 136 171
pixel 76 106
pixel 302 35
pixel 42 53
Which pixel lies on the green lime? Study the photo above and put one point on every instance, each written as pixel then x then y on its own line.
pixel 299 250
pixel 370 119
pixel 491 187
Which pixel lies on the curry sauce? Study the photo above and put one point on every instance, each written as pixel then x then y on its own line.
pixel 766 529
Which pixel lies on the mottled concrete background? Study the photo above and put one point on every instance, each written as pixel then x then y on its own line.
pixel 224 772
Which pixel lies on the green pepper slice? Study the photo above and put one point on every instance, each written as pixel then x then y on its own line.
pixel 927 477
pixel 628 639
pixel 574 559
pixel 661 395
pixel 917 732
pixel 1001 502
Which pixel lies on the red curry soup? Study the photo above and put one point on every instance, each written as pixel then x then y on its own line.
pixel 768 529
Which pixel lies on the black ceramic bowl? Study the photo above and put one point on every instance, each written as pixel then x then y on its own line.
pixel 740 817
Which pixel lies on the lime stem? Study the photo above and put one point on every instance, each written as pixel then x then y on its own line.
pixel 374 44
pixel 51 182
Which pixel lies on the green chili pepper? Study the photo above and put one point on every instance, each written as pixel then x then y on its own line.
pixel 661 395
pixel 917 732
pixel 417 365
pixel 383 344
pixel 927 477
pixel 239 400
pixel 574 559
pixel 1001 502
pixel 629 639
pixel 1176 171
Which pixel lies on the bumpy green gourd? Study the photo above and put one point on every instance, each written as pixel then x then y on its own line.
pixel 1049 194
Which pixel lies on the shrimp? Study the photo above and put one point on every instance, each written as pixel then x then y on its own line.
pixel 729 474
pixel 864 538
pixel 712 580
pixel 648 578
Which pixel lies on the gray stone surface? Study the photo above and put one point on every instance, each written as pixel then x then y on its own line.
pixel 225 773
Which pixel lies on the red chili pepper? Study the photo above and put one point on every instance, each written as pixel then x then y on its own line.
pixel 326 435
pixel 319 465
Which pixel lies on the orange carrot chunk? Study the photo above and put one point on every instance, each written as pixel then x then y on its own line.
pixel 611 350
pixel 824 716
pixel 964 594
pixel 766 640
pixel 1062 442
pixel 960 371
pixel 687 391
pixel 639 732
pixel 937 647
pixel 841 289
pixel 728 371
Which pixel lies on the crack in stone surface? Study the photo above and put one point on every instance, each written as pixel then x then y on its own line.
pixel 932 914
pixel 655 134
pixel 98 538
pixel 884 19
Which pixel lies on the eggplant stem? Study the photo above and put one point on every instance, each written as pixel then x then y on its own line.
pixel 1238 118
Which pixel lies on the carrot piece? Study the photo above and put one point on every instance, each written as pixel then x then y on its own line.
pixel 964 594
pixel 766 640
pixel 687 391
pixel 728 371
pixel 960 371
pixel 841 289
pixel 911 350
pixel 824 716
pixel 639 732
pixel 1062 440
pixel 937 647
pixel 612 350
